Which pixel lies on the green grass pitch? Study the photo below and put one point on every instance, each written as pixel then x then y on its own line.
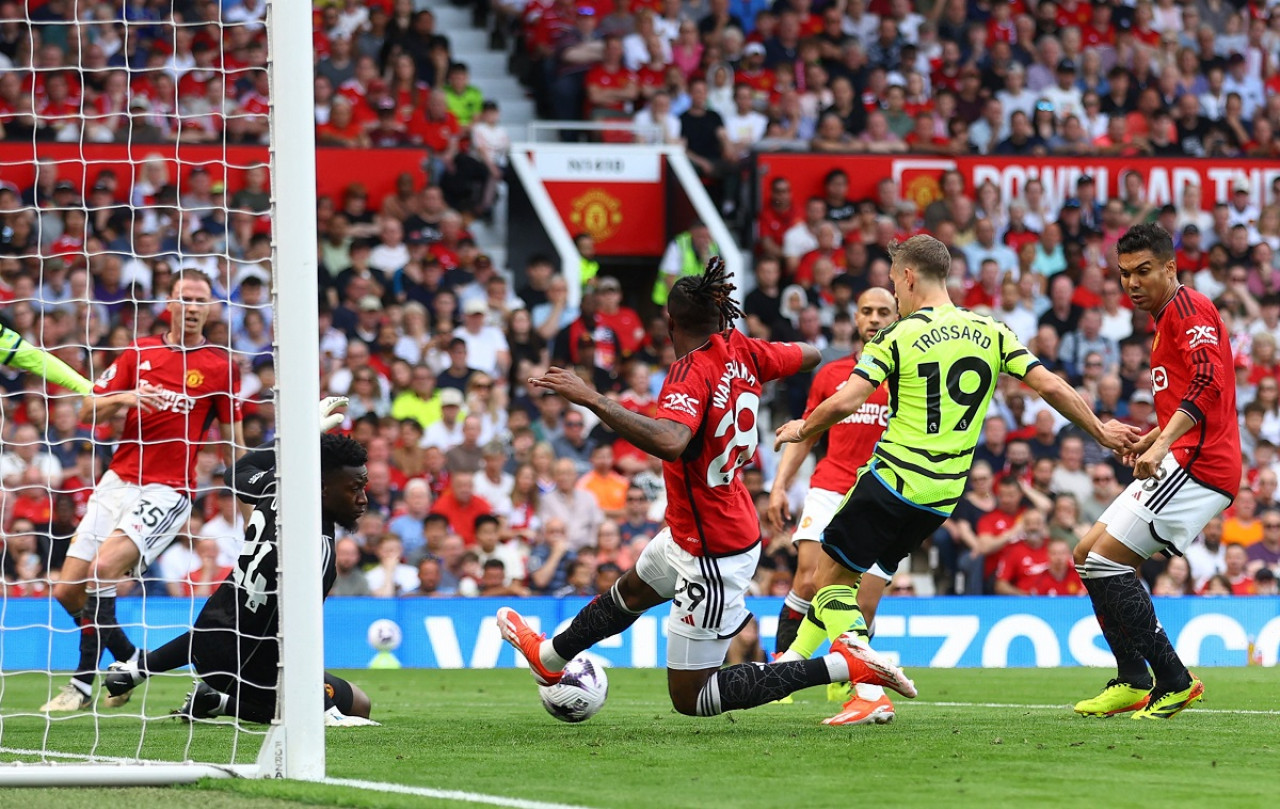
pixel 989 738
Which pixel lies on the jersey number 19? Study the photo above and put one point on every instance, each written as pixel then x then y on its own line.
pixel 931 372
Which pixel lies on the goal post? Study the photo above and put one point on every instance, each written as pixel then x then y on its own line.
pixel 298 741
pixel 140 744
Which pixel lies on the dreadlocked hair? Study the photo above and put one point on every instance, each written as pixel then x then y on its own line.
pixel 338 451
pixel 703 302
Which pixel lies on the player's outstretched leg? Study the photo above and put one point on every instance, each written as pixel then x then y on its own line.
pixel 748 685
pixel 1124 601
pixel 607 615
pixel 124 676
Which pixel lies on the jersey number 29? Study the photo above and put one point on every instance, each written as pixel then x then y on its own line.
pixel 971 400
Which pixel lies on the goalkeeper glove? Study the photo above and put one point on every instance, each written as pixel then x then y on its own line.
pixel 328 418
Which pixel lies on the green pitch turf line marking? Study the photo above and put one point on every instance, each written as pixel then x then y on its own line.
pixel 1197 709
pixel 448 794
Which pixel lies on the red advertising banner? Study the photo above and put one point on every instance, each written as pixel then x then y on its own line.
pixel 917 177
pixel 336 169
pixel 618 196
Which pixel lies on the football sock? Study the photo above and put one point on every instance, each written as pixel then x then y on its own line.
pixel 1134 615
pixel 836 609
pixel 1131 666
pixel 113 636
pixel 789 619
pixel 603 618
pixel 810 636
pixel 91 645
pixel 173 655
pixel 747 685
pixel 867 691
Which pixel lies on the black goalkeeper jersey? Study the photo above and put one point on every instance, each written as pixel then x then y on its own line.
pixel 248 602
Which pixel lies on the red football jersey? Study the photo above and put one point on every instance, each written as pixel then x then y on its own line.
pixel 1046 585
pixel 715 392
pixel 198 384
pixel 849 442
pixel 1020 564
pixel 1192 371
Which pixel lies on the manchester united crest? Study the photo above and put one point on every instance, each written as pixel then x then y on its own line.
pixel 598 213
pixel 195 378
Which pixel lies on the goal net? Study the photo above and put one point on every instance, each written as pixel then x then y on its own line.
pixel 138 150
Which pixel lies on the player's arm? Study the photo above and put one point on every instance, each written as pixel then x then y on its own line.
pixel 1198 342
pixel 16 352
pixel 789 464
pixel 233 434
pixel 1063 398
pixel 255 471
pixel 793 456
pixel 663 438
pixel 844 403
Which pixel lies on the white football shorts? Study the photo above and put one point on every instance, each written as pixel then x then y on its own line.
pixel 151 515
pixel 706 592
pixel 1162 513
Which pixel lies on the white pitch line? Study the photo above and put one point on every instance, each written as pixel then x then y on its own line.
pixel 448 794
pixel 1232 712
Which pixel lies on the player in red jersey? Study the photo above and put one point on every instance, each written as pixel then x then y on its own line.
pixel 1186 470
pixel 703 562
pixel 849 446
pixel 144 498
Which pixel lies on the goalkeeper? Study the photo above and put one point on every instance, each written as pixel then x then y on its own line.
pixel 16 352
pixel 234 645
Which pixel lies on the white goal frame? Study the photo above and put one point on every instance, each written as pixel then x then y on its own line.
pixel 294 747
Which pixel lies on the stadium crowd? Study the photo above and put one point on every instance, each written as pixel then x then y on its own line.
pixel 479 486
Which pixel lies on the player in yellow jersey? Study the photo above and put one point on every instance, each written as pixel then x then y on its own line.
pixel 941 364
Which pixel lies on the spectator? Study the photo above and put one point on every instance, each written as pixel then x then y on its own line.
pixel 1236 570
pixel 604 484
pixel 409 524
pixel 391 577
pixel 549 558
pixel 1022 561
pixel 576 508
pixel 1242 526
pixel 487 348
pixel 580 580
pixel 706 141
pixel 495 582
pixel 489 545
pixel 430 580
pixel 461 506
pixel 350 580
pixel 1266 552
pixel 447 432
pixel 467 455
pixel 493 483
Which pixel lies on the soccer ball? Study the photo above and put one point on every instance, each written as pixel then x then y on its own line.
pixel 384 635
pixel 579 695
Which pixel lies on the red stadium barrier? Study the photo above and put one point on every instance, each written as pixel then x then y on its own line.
pixel 917 177
pixel 377 169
